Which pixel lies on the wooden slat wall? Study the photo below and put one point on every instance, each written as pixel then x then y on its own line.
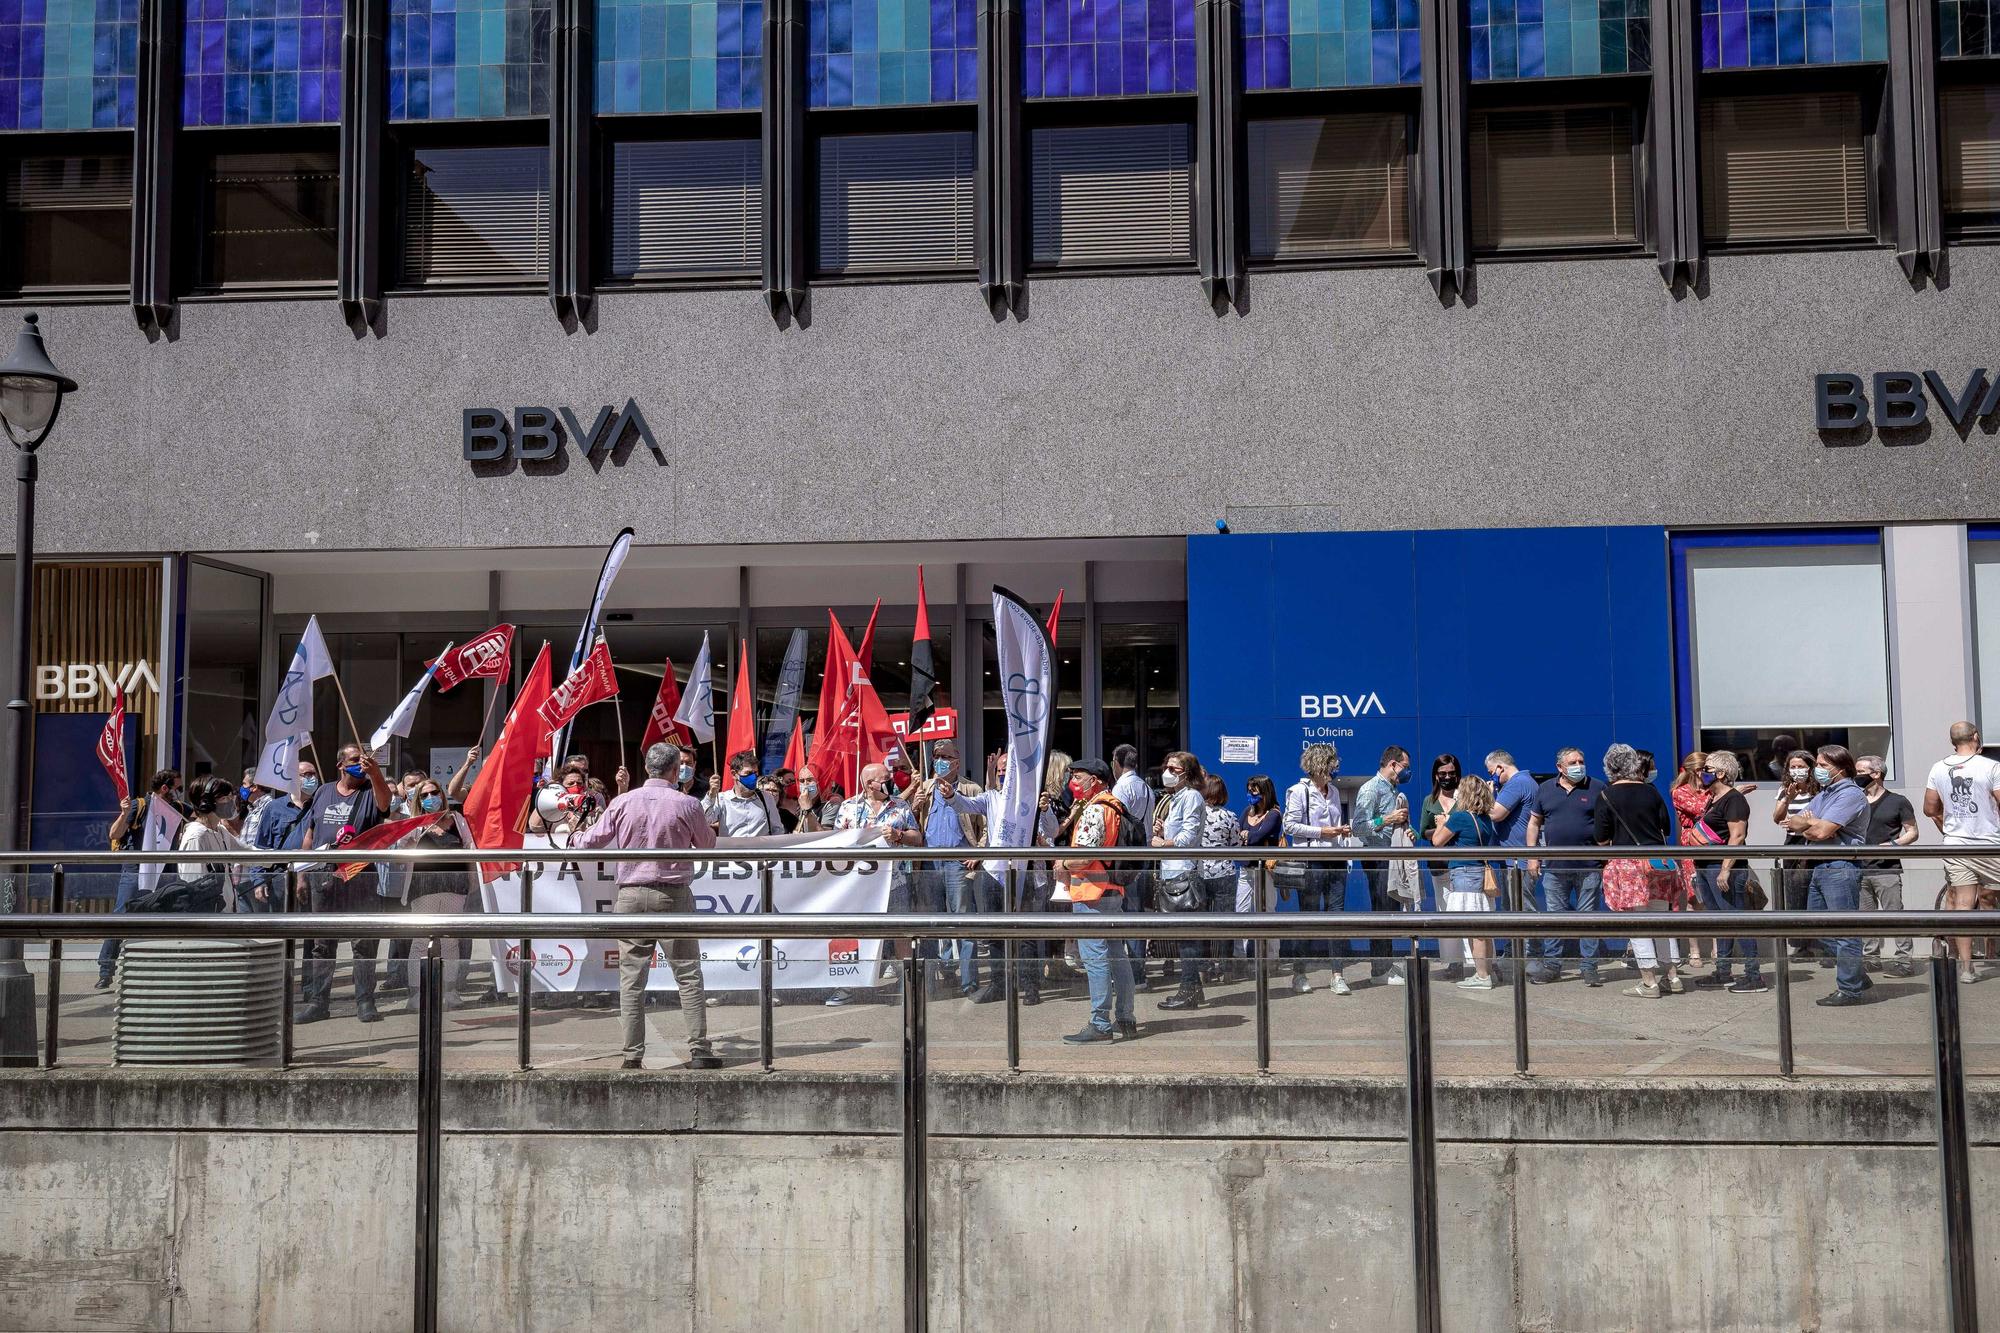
pixel 108 613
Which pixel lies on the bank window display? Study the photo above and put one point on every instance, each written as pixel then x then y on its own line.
pixel 685 208
pixel 1107 196
pixel 1755 615
pixel 268 217
pixel 66 221
pixel 1969 124
pixel 1329 187
pixel 1140 670
pixel 1785 167
pixel 1552 178
pixel 224 662
pixel 476 215
pixel 894 203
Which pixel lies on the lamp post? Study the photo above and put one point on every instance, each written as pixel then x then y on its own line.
pixel 31 395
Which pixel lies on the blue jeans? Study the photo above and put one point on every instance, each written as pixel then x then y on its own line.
pixel 1108 971
pixel 1324 890
pixel 939 886
pixel 128 889
pixel 1836 887
pixel 979 960
pixel 1571 888
pixel 1716 897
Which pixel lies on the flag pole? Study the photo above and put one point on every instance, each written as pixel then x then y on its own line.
pixel 618 713
pixel 347 711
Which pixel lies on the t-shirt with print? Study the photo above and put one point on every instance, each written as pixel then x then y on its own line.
pixel 1965 784
pixel 330 812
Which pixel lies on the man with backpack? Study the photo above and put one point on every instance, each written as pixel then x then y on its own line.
pixel 1099 824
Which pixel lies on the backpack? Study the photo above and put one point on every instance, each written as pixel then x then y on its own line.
pixel 1126 872
pixel 175 894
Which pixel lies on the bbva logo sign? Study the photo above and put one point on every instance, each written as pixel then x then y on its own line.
pixel 1341 705
pixel 537 434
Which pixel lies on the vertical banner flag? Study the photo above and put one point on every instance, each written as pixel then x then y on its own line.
pixel 660 724
pixel 923 672
pixel 162 831
pixel 486 657
pixel 1027 671
pixel 785 702
pixel 497 806
pixel 593 682
pixel 742 710
pixel 697 710
pixel 290 724
pixel 587 634
pixel 111 749
pixel 399 722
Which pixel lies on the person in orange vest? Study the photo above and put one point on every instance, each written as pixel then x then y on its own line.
pixel 1093 888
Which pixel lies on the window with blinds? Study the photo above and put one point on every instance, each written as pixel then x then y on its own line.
pixel 685 208
pixel 1778 168
pixel 269 219
pixel 893 203
pixel 1326 186
pixel 65 222
pixel 1970 117
pixel 1111 194
pixel 476 215
pixel 1551 178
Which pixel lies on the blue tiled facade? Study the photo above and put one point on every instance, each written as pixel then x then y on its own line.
pixel 1761 34
pixel 468 59
pixel 68 64
pixel 656 56
pixel 1109 48
pixel 891 52
pixel 1965 28
pixel 1536 39
pixel 1330 43
pixel 261 62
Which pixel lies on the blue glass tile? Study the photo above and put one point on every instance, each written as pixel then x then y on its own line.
pixel 906 51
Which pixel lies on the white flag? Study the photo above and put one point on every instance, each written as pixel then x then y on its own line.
pixel 697 710
pixel 398 723
pixel 291 721
pixel 1026 661
pixel 162 832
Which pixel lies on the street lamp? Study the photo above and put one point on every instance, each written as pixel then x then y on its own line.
pixel 31 395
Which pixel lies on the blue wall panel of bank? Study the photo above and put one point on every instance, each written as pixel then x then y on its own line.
pixel 1462 640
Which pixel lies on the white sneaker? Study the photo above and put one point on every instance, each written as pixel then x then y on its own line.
pixel 1476 983
pixel 1396 978
pixel 1340 985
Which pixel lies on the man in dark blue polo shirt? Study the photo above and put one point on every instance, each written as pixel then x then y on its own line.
pixel 1563 813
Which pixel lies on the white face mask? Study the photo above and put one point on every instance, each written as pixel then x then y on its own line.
pixel 1169 779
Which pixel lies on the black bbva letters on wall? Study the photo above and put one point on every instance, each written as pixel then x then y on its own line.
pixel 537 434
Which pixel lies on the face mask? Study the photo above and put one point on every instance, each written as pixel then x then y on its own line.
pixel 1402 777
pixel 243 793
pixel 1822 775
pixel 1169 779
pixel 1709 777
pixel 941 767
pixel 225 809
pixel 431 804
pixel 353 770
pixel 308 785
pixel 1448 784
pixel 1078 788
pixel 747 781
pixel 1574 772
pixel 1798 775
pixel 1867 781
pixel 900 778
pixel 687 773
pixel 811 789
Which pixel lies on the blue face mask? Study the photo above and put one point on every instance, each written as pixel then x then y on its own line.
pixel 687 773
pixel 747 781
pixel 308 785
pixel 431 804
pixel 354 770
pixel 1402 777
pixel 242 793
pixel 1823 775
pixel 1575 772
pixel 941 767
pixel 1707 777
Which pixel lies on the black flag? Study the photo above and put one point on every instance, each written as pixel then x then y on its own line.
pixel 923 677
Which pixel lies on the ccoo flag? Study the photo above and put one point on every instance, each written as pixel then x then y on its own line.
pixel 697 710
pixel 593 682
pixel 1026 667
pixel 291 721
pixel 660 724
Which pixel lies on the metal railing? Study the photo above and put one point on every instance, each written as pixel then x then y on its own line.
pixel 1262 926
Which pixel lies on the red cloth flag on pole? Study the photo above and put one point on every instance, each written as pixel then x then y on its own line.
pixel 496 809
pixel 923 669
pixel 862 724
pixel 742 709
pixel 1055 615
pixel 593 682
pixel 392 834
pixel 484 657
pixel 111 749
pixel 660 722
pixel 826 751
pixel 795 752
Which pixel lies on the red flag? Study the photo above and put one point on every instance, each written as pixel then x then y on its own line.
pixel 862 724
pixel 392 834
pixel 1055 615
pixel 593 682
pixel 497 806
pixel 111 748
pixel 742 733
pixel 923 669
pixel 826 748
pixel 866 652
pixel 660 722
pixel 486 656
pixel 795 753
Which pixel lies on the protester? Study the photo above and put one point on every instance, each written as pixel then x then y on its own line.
pixel 1313 819
pixel 818 807
pixel 1892 822
pixel 1379 811
pixel 1960 799
pixel 656 816
pixel 1216 880
pixel 1797 793
pixel 941 885
pixel 983 984
pixel 1837 815
pixel 280 824
pixel 1177 819
pixel 876 810
pixel 128 835
pixel 1724 886
pixel 213 805
pixel 748 807
pixel 1563 813
pixel 438 886
pixel 1090 881
pixel 1632 813
pixel 1137 798
pixel 354 802
pixel 1689 797
pixel 1465 818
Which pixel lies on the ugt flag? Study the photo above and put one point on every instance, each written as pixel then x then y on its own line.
pixel 594 681
pixel 1027 671
pixel 291 722
pixel 486 656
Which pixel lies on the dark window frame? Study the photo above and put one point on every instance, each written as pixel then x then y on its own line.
pixel 67 143
pixel 1978 71
pixel 408 137
pixel 1869 83
pixel 943 117
pixel 613 130
pixel 1104 112
pixel 198 149
pixel 1631 91
pixel 1293 104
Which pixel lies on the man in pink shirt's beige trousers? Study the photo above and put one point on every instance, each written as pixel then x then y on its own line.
pixel 656 815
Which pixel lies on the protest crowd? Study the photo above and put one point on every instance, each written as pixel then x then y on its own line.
pixel 860 780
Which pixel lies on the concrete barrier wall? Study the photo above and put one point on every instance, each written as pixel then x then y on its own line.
pixel 585 1202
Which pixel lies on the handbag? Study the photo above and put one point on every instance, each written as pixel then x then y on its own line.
pixel 1754 896
pixel 1178 893
pixel 1406 885
pixel 1488 881
pixel 203 893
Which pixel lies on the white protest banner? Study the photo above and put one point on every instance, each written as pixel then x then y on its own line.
pixel 827 877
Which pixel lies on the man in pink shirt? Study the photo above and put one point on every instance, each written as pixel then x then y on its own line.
pixel 656 815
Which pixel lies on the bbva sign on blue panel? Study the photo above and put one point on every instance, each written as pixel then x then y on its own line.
pixel 1465 640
